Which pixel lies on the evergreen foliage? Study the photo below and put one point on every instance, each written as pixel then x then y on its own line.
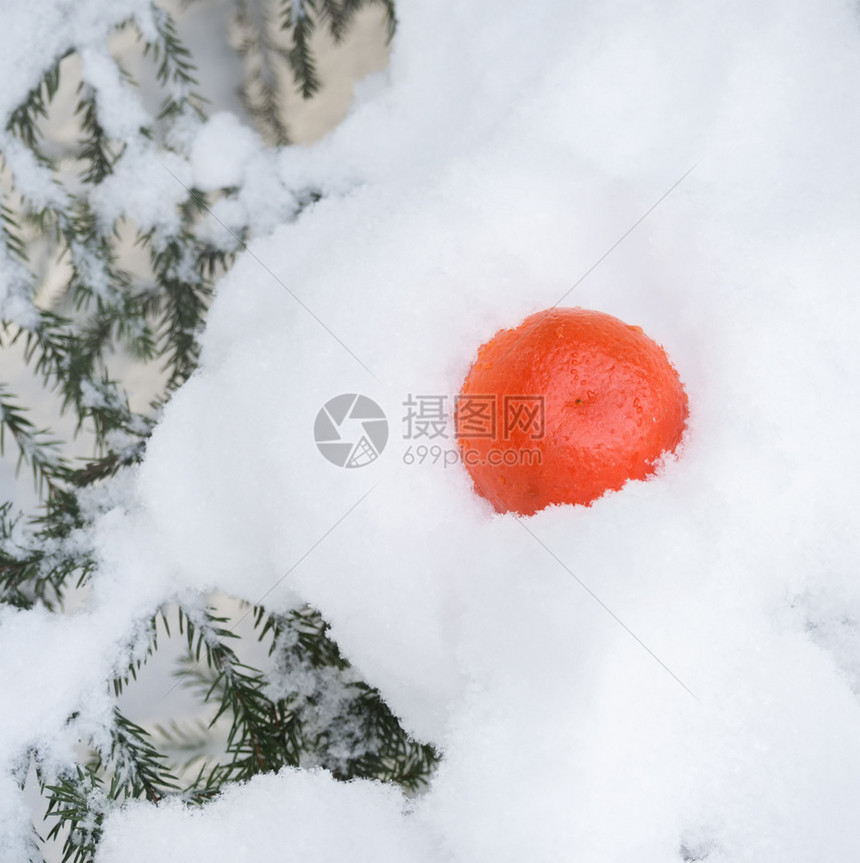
pixel 275 37
pixel 308 707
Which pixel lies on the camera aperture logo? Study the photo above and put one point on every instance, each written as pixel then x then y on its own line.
pixel 351 430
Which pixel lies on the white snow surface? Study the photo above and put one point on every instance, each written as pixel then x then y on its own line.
pixel 36 34
pixel 668 674
pixel 222 151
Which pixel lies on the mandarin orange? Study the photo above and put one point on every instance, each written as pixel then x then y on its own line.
pixel 570 404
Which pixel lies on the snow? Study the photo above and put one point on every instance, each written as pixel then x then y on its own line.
pixel 669 672
pixel 32 41
pixel 119 107
pixel 222 151
pixel 145 186
pixel 273 815
pixel 32 179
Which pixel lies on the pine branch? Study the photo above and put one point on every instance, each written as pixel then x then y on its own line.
pixel 337 16
pixel 71 362
pixel 311 710
pixel 174 62
pixel 36 447
pixel 18 568
pixel 259 739
pixel 37 556
pixel 137 768
pixel 78 803
pixel 10 230
pixel 175 68
pixel 23 121
pixel 107 466
pixel 299 18
pixel 130 769
pixel 141 651
pixel 121 315
pixel 261 89
pixel 349 9
pixel 346 726
pixel 184 301
pixel 95 149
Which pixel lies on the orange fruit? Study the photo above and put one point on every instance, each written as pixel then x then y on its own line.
pixel 570 404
